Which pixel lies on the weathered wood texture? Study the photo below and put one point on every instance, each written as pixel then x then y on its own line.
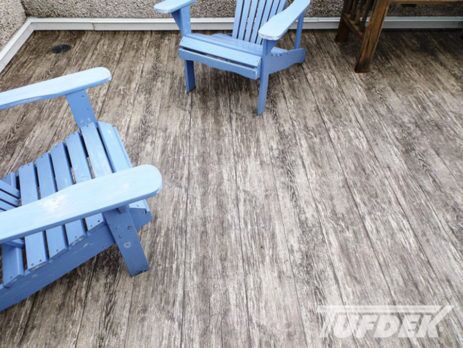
pixel 348 191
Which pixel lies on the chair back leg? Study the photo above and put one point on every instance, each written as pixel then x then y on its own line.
pixel 125 235
pixel 190 81
pixel 264 75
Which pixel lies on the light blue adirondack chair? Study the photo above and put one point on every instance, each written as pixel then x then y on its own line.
pixel 251 49
pixel 74 201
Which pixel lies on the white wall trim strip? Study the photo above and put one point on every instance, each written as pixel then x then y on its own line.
pixel 129 24
pixel 15 43
pixel 167 24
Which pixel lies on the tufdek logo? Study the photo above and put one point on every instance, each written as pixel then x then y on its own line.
pixel 382 321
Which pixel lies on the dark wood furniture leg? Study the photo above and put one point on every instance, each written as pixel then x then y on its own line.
pixel 371 36
pixel 364 18
pixel 343 31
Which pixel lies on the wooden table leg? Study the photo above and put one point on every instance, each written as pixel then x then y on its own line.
pixel 343 31
pixel 371 35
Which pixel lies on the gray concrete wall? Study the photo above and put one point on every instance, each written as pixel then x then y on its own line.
pixel 12 16
pixel 203 8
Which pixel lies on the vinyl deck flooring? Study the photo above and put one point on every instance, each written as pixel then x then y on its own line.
pixel 348 191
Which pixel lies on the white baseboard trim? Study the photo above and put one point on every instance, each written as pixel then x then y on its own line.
pixel 15 43
pixel 167 24
pixel 134 24
pixel 424 22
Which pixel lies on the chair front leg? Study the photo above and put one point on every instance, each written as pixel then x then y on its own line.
pixel 342 34
pixel 182 18
pixel 125 235
pixel 264 74
pixel 263 87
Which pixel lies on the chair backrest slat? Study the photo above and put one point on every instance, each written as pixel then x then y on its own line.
pixel 258 20
pixel 237 21
pixel 251 15
pixel 9 200
pixel 63 176
pixel 9 194
pixel 251 19
pixel 36 253
pixel 5 206
pixel 8 188
pixel 97 157
pixel 117 155
pixel 81 169
pixel 243 18
pixel 56 240
pixel 12 256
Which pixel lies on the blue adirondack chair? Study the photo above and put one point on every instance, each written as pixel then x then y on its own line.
pixel 251 49
pixel 74 201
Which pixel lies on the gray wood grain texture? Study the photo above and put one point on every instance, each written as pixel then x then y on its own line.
pixel 348 191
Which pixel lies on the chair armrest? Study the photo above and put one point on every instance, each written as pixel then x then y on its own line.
pixel 279 24
pixel 81 200
pixel 169 6
pixel 54 88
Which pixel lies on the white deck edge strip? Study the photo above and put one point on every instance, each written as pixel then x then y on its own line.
pixel 15 43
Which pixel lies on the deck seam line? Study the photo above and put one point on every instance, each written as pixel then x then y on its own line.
pixel 348 185
pixel 187 201
pixel 235 171
pixel 284 227
pixel 322 229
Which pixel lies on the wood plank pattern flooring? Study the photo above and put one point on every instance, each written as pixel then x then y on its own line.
pixel 348 191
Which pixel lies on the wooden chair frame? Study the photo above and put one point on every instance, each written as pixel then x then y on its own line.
pixel 72 202
pixel 251 49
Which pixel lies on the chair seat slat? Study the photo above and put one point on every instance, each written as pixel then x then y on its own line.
pixel 195 44
pixel 249 72
pixel 245 46
pixel 36 254
pixel 228 41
